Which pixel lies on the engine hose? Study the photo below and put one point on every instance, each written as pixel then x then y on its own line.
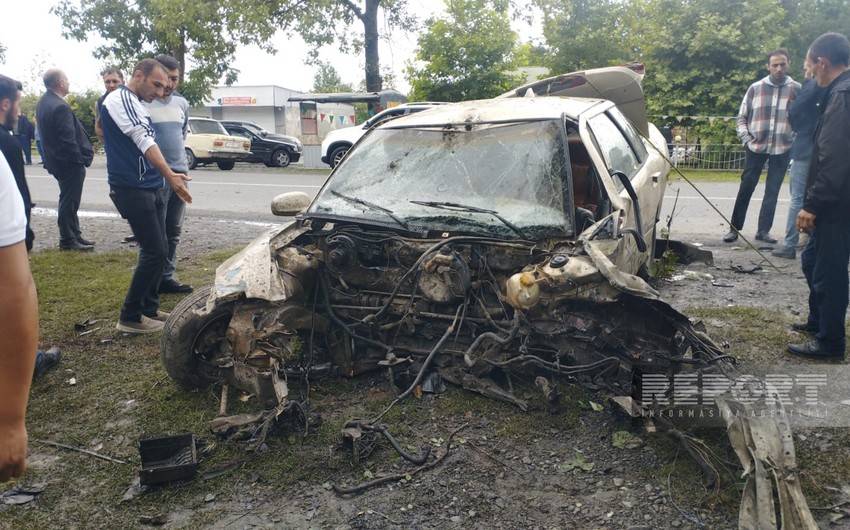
pixel 342 324
pixel 467 356
pixel 430 357
pixel 417 460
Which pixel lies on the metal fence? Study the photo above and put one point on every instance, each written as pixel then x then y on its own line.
pixel 708 156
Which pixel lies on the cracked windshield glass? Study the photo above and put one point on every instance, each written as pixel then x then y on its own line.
pixel 480 178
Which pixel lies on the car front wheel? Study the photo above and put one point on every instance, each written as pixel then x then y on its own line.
pixel 226 165
pixel 190 159
pixel 193 345
pixel 280 158
pixel 338 154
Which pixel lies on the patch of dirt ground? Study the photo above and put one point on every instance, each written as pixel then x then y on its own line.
pixel 495 477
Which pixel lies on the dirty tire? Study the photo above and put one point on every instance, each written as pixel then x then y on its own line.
pixel 226 165
pixel 189 339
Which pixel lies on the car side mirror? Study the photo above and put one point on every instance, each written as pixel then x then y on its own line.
pixel 290 203
pixel 264 134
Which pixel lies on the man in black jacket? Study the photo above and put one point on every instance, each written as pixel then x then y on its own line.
pixel 10 105
pixel 826 207
pixel 67 154
pixel 26 134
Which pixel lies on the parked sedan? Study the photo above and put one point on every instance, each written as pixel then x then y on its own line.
pixel 208 142
pixel 272 149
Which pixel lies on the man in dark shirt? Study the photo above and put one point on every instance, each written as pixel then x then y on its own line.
pixel 826 208
pixel 26 134
pixel 67 154
pixel 10 100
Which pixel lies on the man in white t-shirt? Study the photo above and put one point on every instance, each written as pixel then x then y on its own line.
pixel 18 327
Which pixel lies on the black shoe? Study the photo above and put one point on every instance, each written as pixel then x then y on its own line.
pixel 803 327
pixel 76 245
pixel 46 360
pixel 814 350
pixel 129 239
pixel 731 236
pixel 785 253
pixel 173 286
pixel 84 241
pixel 766 237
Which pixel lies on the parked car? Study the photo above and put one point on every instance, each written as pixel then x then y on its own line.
pixel 339 141
pixel 208 142
pixel 272 149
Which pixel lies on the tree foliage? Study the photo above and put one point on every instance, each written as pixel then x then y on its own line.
pixel 583 34
pixel 201 35
pixel 465 54
pixel 327 80
pixel 325 22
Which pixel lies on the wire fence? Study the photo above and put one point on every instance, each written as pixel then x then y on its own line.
pixel 711 157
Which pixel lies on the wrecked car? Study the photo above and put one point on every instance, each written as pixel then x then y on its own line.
pixel 474 241
pixel 474 237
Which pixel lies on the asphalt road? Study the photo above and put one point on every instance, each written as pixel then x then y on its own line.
pixel 246 192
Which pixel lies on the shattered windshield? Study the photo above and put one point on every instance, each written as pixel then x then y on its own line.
pixel 498 177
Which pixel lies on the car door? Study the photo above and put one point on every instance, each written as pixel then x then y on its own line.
pixel 614 145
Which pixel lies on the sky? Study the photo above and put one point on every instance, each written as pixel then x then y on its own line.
pixel 37 44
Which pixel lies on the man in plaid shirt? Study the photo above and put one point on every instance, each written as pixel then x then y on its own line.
pixel 767 136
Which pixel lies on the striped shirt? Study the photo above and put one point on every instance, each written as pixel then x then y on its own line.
pixel 763 118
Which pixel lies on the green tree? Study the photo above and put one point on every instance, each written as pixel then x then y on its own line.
pixel 466 53
pixel 327 80
pixel 2 53
pixel 701 55
pixel 324 22
pixel 201 35
pixel 83 106
pixel 584 34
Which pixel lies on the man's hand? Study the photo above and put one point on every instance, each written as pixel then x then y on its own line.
pixel 13 450
pixel 805 222
pixel 177 182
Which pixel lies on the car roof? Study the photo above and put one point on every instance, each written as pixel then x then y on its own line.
pixel 494 110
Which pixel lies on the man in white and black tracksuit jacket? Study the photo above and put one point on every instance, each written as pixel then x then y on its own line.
pixel 131 157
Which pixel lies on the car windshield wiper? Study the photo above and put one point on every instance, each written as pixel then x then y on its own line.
pixel 373 206
pixel 464 208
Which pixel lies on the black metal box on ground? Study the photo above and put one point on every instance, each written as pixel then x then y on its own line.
pixel 167 459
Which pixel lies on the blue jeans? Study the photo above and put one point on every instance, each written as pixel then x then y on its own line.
pixel 797 177
pixel 824 262
pixel 753 166
pixel 172 220
pixel 144 210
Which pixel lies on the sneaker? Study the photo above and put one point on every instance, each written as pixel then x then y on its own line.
pixel 147 325
pixel 731 236
pixel 45 361
pixel 173 286
pixel 766 237
pixel 785 252
pixel 162 316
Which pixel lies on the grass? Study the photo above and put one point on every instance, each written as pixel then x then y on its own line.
pixel 122 394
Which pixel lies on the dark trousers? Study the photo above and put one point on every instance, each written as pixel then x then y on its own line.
pixel 70 193
pixel 144 210
pixel 754 164
pixel 824 262
pixel 26 147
